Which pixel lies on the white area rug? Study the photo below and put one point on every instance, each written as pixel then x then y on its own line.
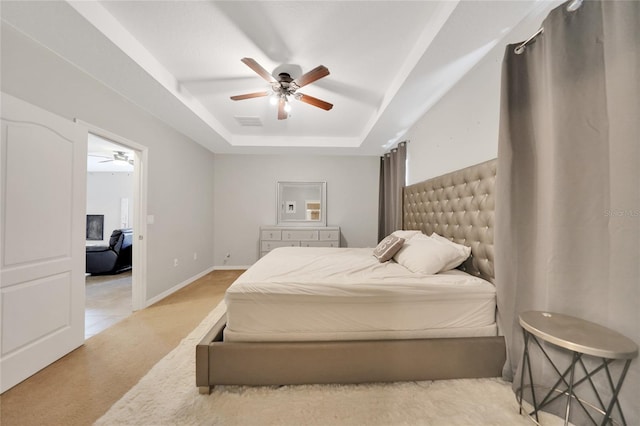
pixel 167 395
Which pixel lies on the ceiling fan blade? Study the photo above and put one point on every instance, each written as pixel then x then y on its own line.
pixel 315 74
pixel 249 96
pixel 251 63
pixel 282 114
pixel 105 161
pixel 314 101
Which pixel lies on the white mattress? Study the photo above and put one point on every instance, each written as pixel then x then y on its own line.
pixel 318 294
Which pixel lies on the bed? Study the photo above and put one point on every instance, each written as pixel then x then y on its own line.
pixel 329 315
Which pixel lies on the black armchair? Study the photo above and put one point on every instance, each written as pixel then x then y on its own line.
pixel 114 258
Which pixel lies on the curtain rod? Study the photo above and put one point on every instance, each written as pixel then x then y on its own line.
pixel 571 7
pixel 406 141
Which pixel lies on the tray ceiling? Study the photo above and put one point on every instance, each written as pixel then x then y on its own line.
pixel 390 61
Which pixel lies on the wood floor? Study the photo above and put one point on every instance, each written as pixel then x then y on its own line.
pixel 107 301
pixel 80 387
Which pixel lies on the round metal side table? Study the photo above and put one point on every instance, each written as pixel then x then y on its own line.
pixel 580 337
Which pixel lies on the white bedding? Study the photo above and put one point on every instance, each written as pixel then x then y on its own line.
pixel 315 294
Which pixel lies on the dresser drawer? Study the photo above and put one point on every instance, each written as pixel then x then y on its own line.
pixel 320 244
pixel 329 235
pixel 300 235
pixel 270 245
pixel 271 235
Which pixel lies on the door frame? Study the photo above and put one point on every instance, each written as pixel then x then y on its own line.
pixel 140 178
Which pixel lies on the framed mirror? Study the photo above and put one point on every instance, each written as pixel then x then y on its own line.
pixel 302 203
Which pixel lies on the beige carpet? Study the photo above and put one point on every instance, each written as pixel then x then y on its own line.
pixel 167 395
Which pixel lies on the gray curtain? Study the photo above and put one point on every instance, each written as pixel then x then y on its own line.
pixel 393 169
pixel 568 184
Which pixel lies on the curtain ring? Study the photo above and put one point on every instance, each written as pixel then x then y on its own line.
pixel 519 49
pixel 574 5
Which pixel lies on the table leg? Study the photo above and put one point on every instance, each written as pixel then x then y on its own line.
pixel 614 397
pixel 576 356
pixel 524 357
pixel 526 362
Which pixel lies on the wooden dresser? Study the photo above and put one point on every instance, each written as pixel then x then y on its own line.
pixel 278 236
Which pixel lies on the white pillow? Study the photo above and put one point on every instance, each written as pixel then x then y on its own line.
pixel 428 256
pixel 406 235
pixel 462 250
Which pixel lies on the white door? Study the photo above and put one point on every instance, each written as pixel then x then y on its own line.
pixel 43 168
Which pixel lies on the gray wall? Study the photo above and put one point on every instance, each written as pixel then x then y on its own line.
pixel 180 195
pixel 245 194
pixel 104 193
pixel 184 178
pixel 462 128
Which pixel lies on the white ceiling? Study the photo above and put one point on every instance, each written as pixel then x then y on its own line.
pixel 390 61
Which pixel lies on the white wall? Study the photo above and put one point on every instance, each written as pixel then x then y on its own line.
pixel 458 131
pixel 180 194
pixel 105 190
pixel 462 128
pixel 245 193
pixel 184 177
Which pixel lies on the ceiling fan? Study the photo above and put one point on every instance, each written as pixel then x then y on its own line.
pixel 117 156
pixel 285 86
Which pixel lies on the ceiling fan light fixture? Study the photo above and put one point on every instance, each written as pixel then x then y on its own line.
pixel 120 156
pixel 285 86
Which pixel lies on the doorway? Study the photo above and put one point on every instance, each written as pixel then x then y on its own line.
pixel 115 280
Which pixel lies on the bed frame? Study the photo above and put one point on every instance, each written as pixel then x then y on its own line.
pixel 458 205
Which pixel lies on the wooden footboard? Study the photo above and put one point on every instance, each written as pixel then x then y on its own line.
pixel 289 363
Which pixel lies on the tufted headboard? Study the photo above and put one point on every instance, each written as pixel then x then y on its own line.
pixel 460 206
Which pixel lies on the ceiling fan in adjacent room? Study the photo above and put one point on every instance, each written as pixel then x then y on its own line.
pixel 285 86
pixel 117 156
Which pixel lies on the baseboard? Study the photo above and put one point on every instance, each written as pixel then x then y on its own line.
pixel 177 287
